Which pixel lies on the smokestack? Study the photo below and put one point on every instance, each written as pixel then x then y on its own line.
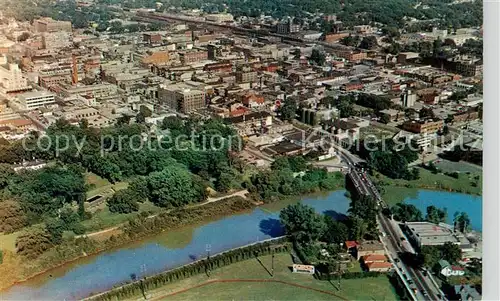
pixel 74 75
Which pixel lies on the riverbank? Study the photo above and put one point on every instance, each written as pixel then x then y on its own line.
pixel 140 229
pixel 394 191
pixel 14 270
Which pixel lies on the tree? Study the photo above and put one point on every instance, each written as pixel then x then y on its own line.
pixel 346 109
pixel 145 111
pixel 429 256
pixel 426 113
pixel 7 174
pixel 302 222
pixel 23 37
pixel 336 232
pixel 174 187
pixel 289 110
pixel 385 119
pixel 12 216
pixel 350 40
pixel 33 243
pixel 451 252
pixel 462 221
pixel 140 118
pixel 224 180
pixel 369 42
pixel 123 202
pixel 407 213
pixel 55 227
pixel 435 215
pixel 357 228
pixel 318 57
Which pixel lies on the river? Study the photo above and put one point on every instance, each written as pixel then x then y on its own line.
pixel 452 202
pixel 168 250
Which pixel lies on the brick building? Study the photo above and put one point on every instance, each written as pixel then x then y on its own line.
pixel 429 126
pixel 194 56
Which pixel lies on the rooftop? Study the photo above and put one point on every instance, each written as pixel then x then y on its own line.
pixel 432 234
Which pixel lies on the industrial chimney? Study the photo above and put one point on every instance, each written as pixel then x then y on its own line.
pixel 74 74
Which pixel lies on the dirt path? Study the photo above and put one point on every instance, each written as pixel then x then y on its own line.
pixel 240 193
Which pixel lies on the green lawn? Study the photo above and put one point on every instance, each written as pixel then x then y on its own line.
pixel 103 218
pixel 100 186
pixel 396 190
pixel 353 289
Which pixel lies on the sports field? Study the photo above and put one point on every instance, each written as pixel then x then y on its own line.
pixel 252 276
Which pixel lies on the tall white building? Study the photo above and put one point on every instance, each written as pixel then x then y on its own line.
pixel 11 78
pixel 36 99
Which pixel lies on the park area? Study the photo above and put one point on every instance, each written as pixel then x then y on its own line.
pixel 251 280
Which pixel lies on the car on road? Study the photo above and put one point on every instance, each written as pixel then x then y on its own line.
pixel 424 293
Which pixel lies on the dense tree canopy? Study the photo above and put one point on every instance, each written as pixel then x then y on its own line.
pixel 123 201
pixel 175 186
pixel 436 215
pixel 302 222
pixel 12 216
pixel 407 213
pixel 33 243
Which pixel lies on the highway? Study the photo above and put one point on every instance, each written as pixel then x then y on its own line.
pixel 393 239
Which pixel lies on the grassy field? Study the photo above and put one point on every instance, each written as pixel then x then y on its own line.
pixel 352 289
pixel 396 190
pixel 8 241
pixel 100 186
pixel 103 218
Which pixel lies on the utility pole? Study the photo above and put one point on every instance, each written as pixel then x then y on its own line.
pixel 272 263
pixel 208 248
pixel 143 272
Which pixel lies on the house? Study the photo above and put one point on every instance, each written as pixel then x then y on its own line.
pixel 374 258
pixel 379 266
pixel 370 247
pixel 448 270
pixel 466 292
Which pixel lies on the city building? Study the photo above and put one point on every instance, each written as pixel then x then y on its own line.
pixel 363 29
pixel 51 25
pixel 219 18
pixel 152 38
pixel 247 76
pixel 393 115
pixel 193 56
pixel 98 90
pixel 287 27
pixel 182 97
pixel 35 99
pixel 408 99
pixel 430 234
pixel 468 115
pixel 11 78
pixel 56 40
pixel 428 126
pixel 467 66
